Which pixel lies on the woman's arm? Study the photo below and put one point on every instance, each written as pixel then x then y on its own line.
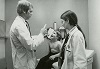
pixel 79 55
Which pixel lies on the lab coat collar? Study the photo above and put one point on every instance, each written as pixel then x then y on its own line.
pixel 22 19
pixel 73 30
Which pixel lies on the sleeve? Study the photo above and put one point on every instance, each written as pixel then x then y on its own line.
pixel 38 39
pixel 79 55
pixel 26 40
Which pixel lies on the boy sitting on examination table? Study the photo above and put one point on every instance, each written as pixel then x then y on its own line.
pixel 54 49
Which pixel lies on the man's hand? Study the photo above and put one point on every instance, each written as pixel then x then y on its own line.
pixel 43 30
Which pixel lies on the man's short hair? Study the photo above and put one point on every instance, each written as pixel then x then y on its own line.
pixel 23 6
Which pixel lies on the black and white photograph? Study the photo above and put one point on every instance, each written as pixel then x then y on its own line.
pixel 49 34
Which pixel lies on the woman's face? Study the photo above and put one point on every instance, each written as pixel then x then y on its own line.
pixel 65 24
pixel 51 33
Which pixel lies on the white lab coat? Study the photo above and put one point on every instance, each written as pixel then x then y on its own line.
pixel 23 45
pixel 76 57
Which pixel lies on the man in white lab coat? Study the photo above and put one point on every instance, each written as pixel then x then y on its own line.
pixel 75 57
pixel 23 45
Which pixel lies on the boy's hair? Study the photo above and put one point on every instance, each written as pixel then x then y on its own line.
pixel 59 36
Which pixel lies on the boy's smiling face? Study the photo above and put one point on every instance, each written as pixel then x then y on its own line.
pixel 51 33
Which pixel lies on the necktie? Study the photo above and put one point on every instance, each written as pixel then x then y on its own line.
pixel 63 50
pixel 27 25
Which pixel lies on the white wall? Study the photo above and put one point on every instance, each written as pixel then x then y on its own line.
pixel 2 48
pixel 94 30
pixel 2 31
pixel 2 54
pixel 2 10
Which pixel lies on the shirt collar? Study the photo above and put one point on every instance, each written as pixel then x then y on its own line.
pixel 22 19
pixel 73 30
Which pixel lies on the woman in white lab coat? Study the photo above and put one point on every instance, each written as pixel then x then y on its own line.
pixel 74 57
pixel 22 44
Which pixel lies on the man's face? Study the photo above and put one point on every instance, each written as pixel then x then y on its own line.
pixel 29 13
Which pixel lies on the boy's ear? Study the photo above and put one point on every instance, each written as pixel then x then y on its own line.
pixel 67 20
pixel 24 12
pixel 58 32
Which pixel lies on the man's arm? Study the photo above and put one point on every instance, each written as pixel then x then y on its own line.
pixel 26 40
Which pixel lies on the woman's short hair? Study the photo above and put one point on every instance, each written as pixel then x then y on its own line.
pixel 23 6
pixel 71 16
